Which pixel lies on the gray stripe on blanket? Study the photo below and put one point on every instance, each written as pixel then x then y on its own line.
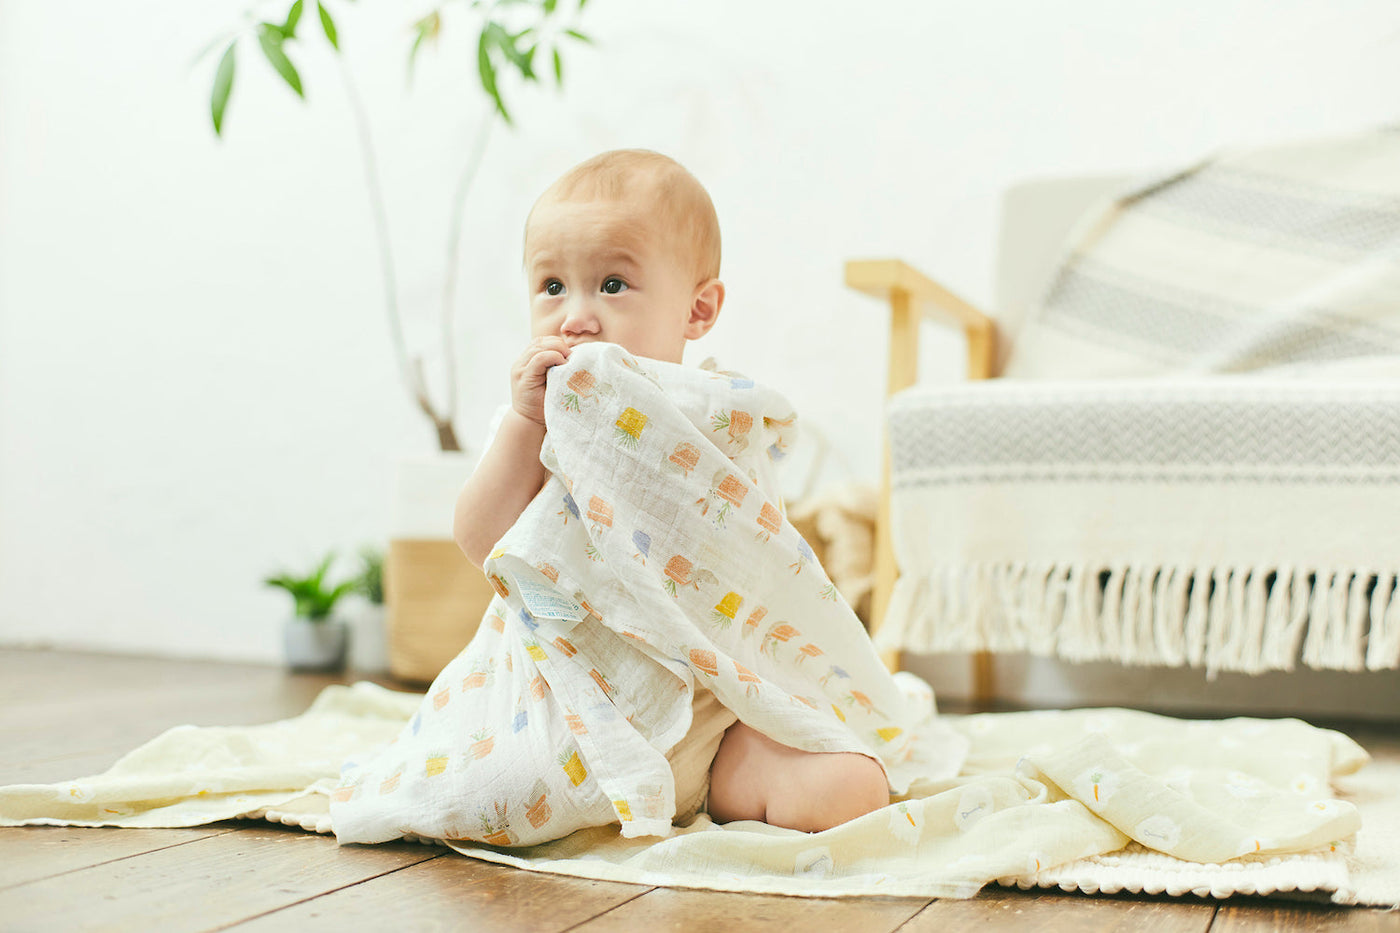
pixel 1280 212
pixel 1243 435
pixel 1180 325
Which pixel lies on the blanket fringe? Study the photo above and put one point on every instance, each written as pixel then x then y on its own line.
pixel 1248 619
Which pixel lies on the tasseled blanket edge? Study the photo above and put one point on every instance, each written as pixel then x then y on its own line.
pixel 1240 618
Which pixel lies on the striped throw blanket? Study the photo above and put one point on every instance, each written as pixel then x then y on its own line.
pixel 1237 510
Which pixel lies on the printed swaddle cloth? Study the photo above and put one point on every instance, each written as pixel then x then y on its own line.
pixel 656 560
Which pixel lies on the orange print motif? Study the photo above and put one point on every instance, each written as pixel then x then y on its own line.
pixel 566 646
pixel 737 423
pixel 550 572
pixel 683 458
pixel 580 386
pixel 705 661
pixel 729 488
pixel 590 612
pixel 482 745
pixel 537 688
pixel 498 584
pixel 748 678
pixel 537 811
pixel 864 702
pixel 779 633
pixel 770 521
pixel 678 573
pixel 390 785
pixel 808 650
pixel 576 725
pixel 751 623
pixel 492 835
pixel 440 698
pixel 494 621
pixel 600 512
pixel 600 680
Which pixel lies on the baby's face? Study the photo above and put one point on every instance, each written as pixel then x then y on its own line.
pixel 602 270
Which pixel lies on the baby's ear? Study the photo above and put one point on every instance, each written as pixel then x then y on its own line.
pixel 704 308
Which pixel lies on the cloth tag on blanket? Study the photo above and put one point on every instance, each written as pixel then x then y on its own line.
pixel 545 602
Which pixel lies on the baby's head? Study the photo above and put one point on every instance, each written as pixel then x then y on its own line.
pixel 624 248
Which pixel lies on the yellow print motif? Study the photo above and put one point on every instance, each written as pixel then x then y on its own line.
pixel 727 608
pixel 573 767
pixel 629 428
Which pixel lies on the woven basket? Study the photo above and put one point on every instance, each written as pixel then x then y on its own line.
pixel 435 600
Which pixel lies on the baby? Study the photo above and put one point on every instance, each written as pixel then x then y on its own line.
pixel 625 248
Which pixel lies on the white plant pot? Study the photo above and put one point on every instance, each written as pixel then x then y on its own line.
pixel 369 640
pixel 314 646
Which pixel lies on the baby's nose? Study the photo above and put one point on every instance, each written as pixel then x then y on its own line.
pixel 580 320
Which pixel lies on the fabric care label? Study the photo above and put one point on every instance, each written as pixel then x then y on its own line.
pixel 545 602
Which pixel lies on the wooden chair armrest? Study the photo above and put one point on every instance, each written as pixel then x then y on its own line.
pixel 913 295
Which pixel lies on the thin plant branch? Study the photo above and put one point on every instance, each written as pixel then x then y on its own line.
pixel 412 375
pixel 454 240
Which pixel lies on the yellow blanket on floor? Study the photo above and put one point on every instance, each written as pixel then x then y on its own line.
pixel 1250 799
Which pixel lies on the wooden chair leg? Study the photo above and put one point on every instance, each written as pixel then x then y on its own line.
pixel 983 680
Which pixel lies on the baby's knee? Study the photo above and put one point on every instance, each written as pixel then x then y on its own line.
pixel 832 788
pixel 859 788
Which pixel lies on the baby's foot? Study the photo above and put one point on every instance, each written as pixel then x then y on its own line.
pixel 756 778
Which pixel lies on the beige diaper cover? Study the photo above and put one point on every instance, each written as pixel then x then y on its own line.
pixel 691 758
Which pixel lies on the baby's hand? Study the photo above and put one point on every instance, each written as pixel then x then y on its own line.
pixel 528 372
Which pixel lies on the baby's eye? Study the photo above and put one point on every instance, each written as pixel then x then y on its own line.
pixel 613 286
pixel 554 287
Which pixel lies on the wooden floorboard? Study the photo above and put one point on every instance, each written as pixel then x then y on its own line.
pixel 65 715
pixel 452 893
pixel 31 853
pixel 676 909
pixel 1003 910
pixel 202 885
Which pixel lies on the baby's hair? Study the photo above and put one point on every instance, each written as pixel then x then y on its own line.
pixel 681 201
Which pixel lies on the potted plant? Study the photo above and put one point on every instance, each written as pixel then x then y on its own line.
pixel 313 640
pixel 435 596
pixel 369 650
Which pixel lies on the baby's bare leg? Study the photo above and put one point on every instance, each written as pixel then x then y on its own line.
pixel 756 778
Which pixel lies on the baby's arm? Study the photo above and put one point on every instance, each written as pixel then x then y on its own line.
pixel 510 473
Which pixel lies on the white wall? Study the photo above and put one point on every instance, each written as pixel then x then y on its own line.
pixel 196 386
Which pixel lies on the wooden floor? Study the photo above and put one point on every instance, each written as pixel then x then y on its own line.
pixel 65 715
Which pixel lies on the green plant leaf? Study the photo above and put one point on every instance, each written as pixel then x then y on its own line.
pixel 558 69
pixel 506 43
pixel 328 26
pixel 549 6
pixel 223 87
pixel 427 28
pixel 320 574
pixel 270 39
pixel 578 35
pixel 487 70
pixel 289 28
